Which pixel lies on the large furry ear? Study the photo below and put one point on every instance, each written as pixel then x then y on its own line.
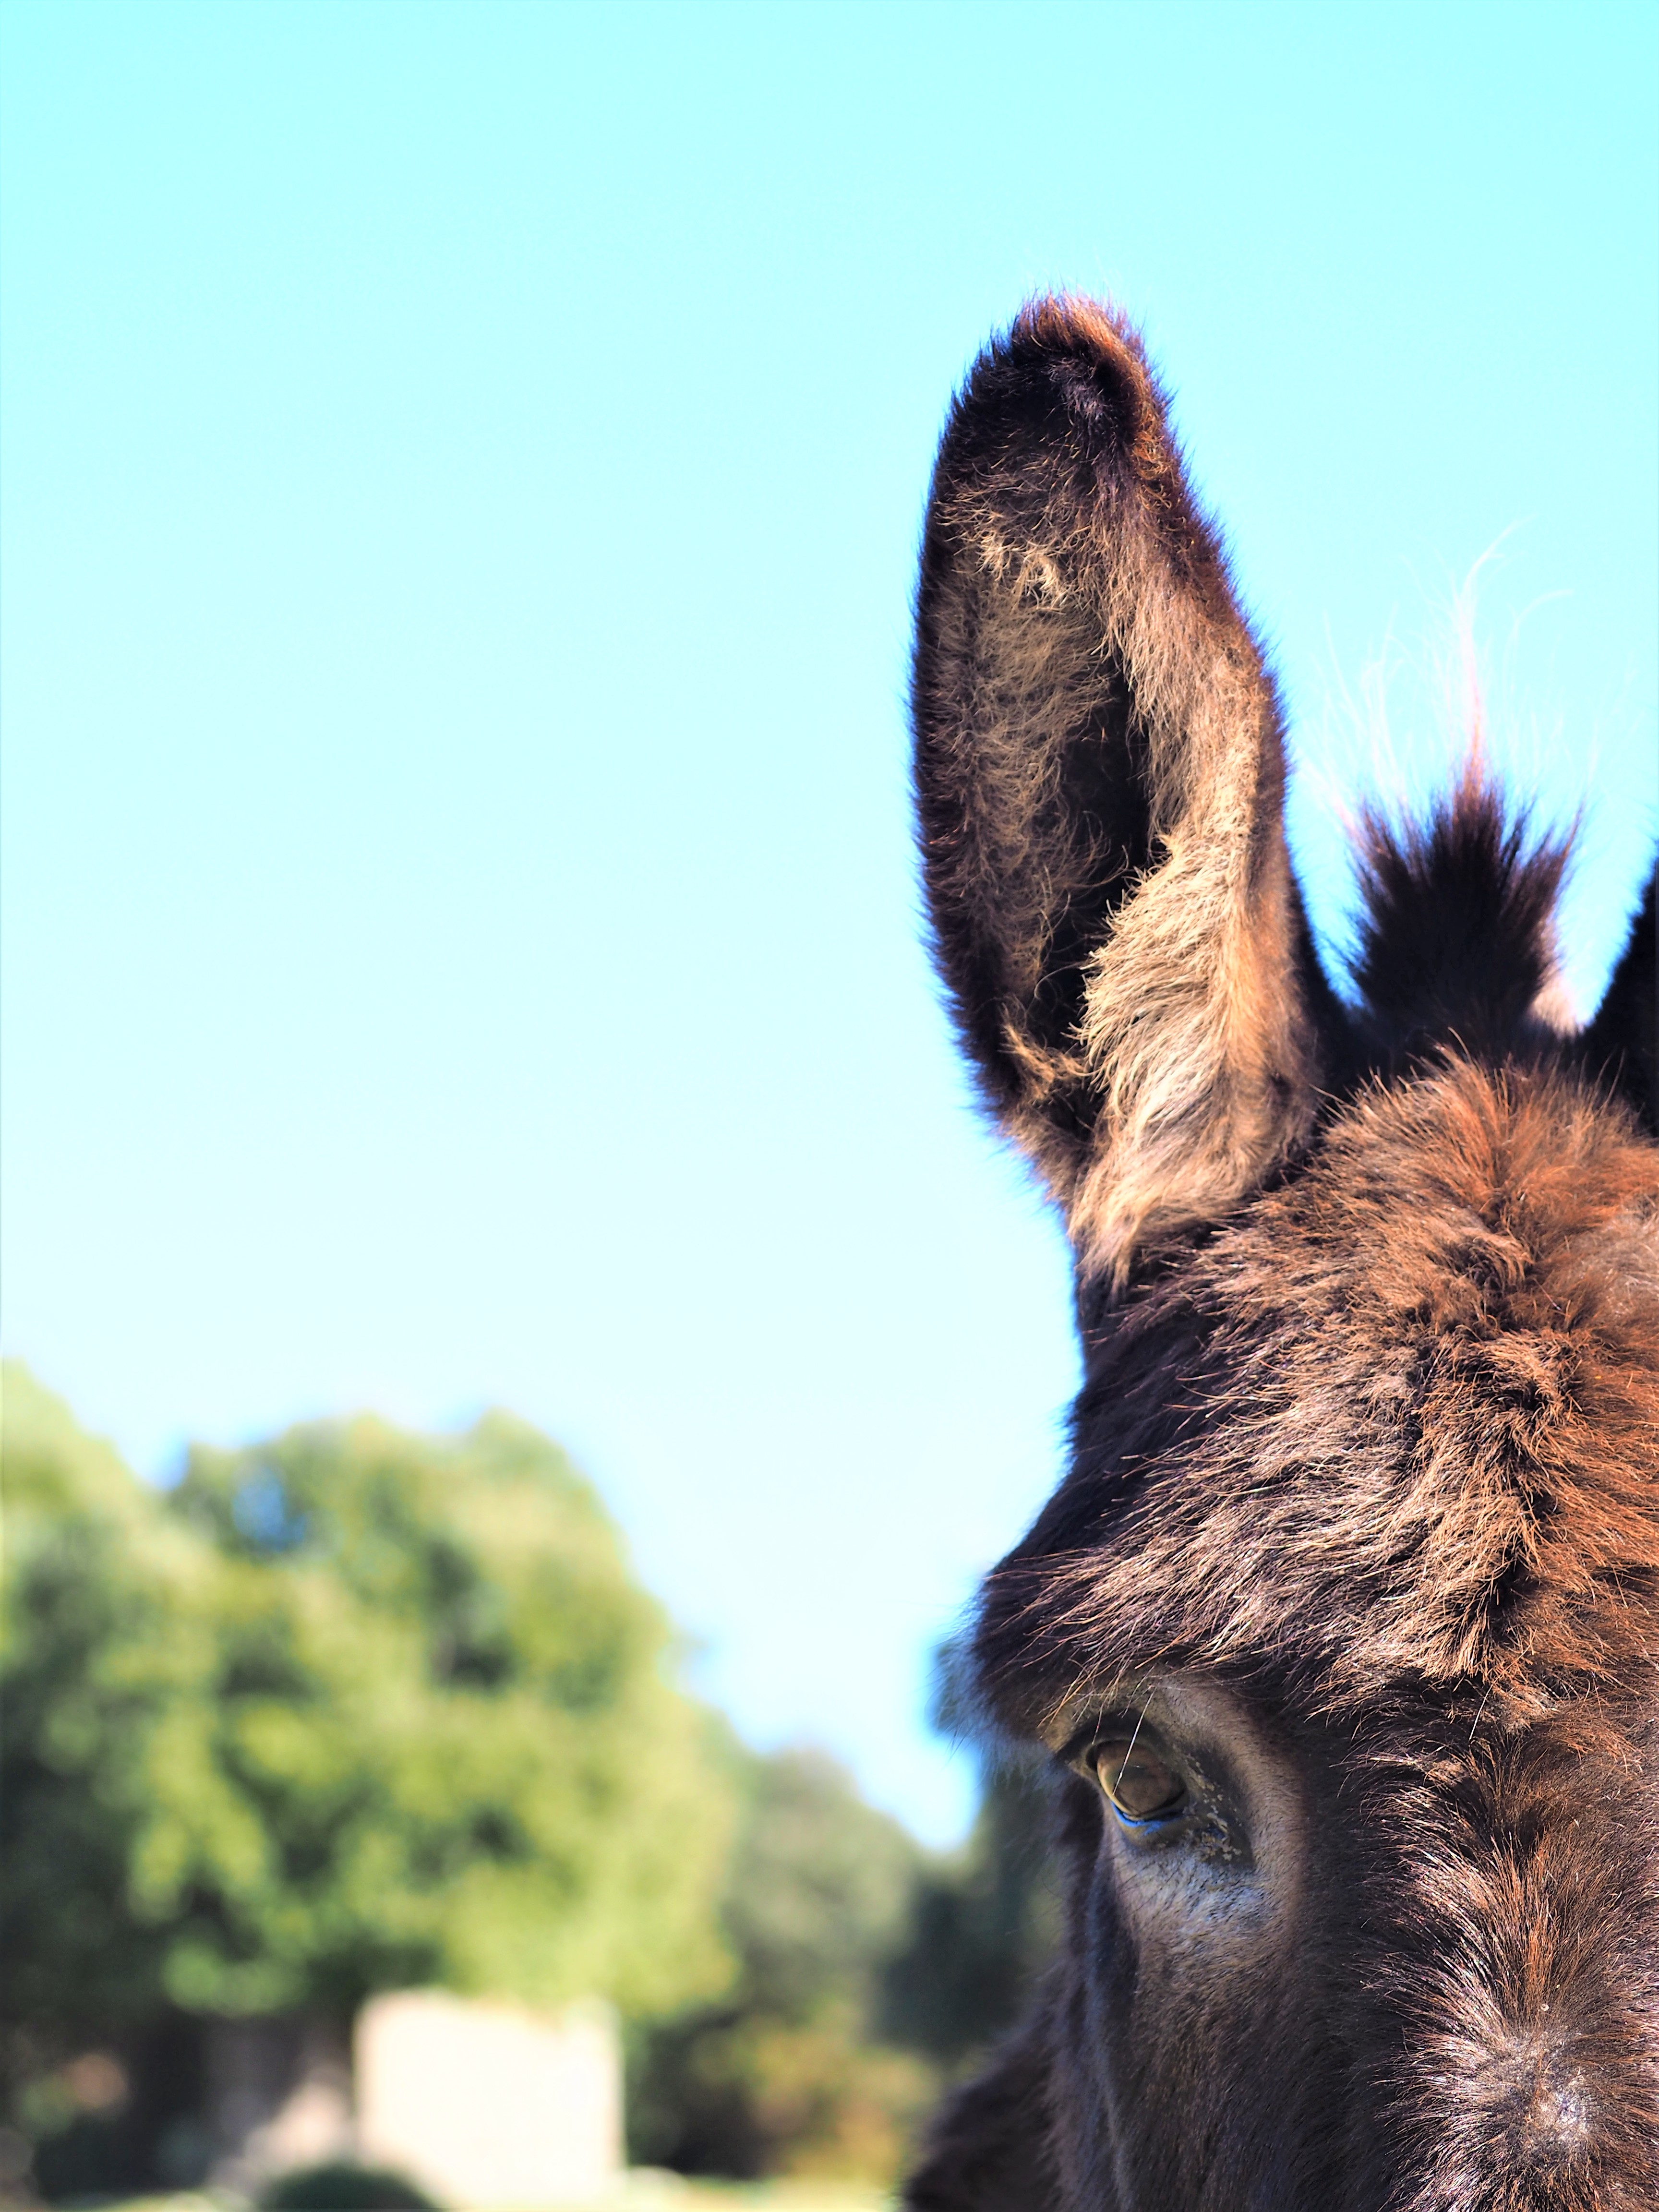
pixel 1622 1043
pixel 1099 779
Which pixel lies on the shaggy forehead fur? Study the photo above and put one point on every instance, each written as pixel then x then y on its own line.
pixel 1400 1423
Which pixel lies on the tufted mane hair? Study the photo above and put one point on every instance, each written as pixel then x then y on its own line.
pixel 1456 941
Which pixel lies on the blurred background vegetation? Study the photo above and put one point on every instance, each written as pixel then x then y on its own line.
pixel 356 1710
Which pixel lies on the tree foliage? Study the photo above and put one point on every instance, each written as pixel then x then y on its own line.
pixel 106 1637
pixel 982 1925
pixel 871 1974
pixel 443 1746
pixel 351 1709
pixel 787 2072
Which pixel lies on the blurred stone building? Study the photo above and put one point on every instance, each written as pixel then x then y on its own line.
pixel 482 2103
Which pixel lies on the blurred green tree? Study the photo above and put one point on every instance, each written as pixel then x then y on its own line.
pixel 351 1709
pixel 788 2073
pixel 107 1633
pixel 871 1973
pixel 443 1746
pixel 983 1924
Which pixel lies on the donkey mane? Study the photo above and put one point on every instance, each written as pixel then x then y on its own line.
pixel 1457 929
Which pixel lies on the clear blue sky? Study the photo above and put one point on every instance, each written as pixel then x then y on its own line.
pixel 462 467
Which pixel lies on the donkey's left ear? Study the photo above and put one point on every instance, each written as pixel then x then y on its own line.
pixel 1099 778
pixel 1621 1045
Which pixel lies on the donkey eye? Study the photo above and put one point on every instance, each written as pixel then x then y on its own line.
pixel 1139 1785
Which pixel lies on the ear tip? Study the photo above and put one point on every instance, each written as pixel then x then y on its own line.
pixel 1068 376
pixel 1073 323
pixel 1091 357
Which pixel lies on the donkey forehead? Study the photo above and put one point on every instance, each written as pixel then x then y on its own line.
pixel 1398 1424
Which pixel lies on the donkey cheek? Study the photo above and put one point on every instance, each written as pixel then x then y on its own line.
pixel 1184 1940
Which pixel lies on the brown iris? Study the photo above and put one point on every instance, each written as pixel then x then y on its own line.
pixel 1139 1781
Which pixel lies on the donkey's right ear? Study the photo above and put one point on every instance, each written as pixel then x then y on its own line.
pixel 1099 777
pixel 1621 1045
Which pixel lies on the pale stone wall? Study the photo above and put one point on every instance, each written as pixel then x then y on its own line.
pixel 484 2103
pixel 488 2105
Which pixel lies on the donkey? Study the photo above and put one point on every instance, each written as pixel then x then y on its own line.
pixel 1340 1636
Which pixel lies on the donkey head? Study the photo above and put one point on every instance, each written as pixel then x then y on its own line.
pixel 1340 1636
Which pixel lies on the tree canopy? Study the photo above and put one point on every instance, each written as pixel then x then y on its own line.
pixel 789 2071
pixel 353 1708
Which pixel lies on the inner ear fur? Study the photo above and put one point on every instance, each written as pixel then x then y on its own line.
pixel 1099 777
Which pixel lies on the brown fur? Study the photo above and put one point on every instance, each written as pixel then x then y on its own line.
pixel 1099 771
pixel 1362 1516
